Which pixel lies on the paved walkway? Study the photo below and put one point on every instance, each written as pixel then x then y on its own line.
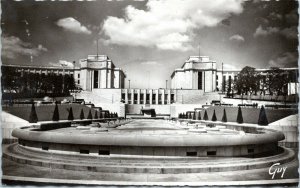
pixel 15 171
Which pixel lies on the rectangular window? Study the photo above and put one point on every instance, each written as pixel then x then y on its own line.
pixel 142 98
pixel 199 80
pixel 96 79
pixel 166 98
pixel 147 98
pixel 135 96
pixel 191 153
pixel 153 98
pixel 211 153
pixel 84 151
pixel 129 98
pixel 172 98
pixel 78 75
pixel 159 99
pixel 123 97
pixel 104 152
pixel 250 150
pixel 45 148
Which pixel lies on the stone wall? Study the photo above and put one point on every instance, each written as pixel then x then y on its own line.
pixel 8 123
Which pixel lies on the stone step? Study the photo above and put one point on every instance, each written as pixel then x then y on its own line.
pixel 84 163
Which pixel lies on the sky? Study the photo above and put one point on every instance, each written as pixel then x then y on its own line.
pixel 149 39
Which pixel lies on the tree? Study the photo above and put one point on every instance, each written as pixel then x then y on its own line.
pixel 262 119
pixel 70 116
pixel 33 116
pixel 239 118
pixel 55 114
pixel 246 82
pixel 224 118
pixel 205 117
pixel 229 88
pixel 214 117
pixel 277 80
pixel 90 115
pixel 81 114
pixel 199 115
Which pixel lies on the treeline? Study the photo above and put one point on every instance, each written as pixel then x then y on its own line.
pixel 250 82
pixel 35 84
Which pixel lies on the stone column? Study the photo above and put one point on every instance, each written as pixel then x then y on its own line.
pixel 126 96
pixel 150 98
pixel 156 97
pixel 145 95
pixel 169 96
pixel 132 96
pixel 138 96
pixel 163 97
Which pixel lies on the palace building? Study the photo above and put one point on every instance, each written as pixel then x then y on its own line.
pixel 98 71
pixel 197 82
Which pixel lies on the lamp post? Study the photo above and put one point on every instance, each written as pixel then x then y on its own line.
pixel 129 84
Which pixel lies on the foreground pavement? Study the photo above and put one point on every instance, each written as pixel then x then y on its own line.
pixel 15 173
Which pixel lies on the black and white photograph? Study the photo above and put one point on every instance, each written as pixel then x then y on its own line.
pixel 162 93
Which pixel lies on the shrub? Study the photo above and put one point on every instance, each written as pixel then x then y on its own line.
pixel 189 115
pixel 205 117
pixel 96 114
pixel 194 116
pixel 55 113
pixel 262 119
pixel 214 117
pixel 224 118
pixel 90 115
pixel 33 116
pixel 81 114
pixel 70 116
pixel 239 118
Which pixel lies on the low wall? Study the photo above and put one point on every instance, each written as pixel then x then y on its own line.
pixel 289 127
pixel 8 123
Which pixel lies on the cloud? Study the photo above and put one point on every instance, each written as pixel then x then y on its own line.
pixel 150 63
pixel 287 59
pixel 290 33
pixel 167 24
pixel 230 67
pixel 264 32
pixel 237 38
pixel 292 17
pixel 61 63
pixel 65 63
pixel 13 46
pixel 70 24
pixel 275 16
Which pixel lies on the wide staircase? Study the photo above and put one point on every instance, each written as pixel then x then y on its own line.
pixel 141 164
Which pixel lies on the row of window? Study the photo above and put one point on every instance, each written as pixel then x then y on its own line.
pixel 107 152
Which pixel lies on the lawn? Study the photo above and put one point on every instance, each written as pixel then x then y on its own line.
pixel 250 115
